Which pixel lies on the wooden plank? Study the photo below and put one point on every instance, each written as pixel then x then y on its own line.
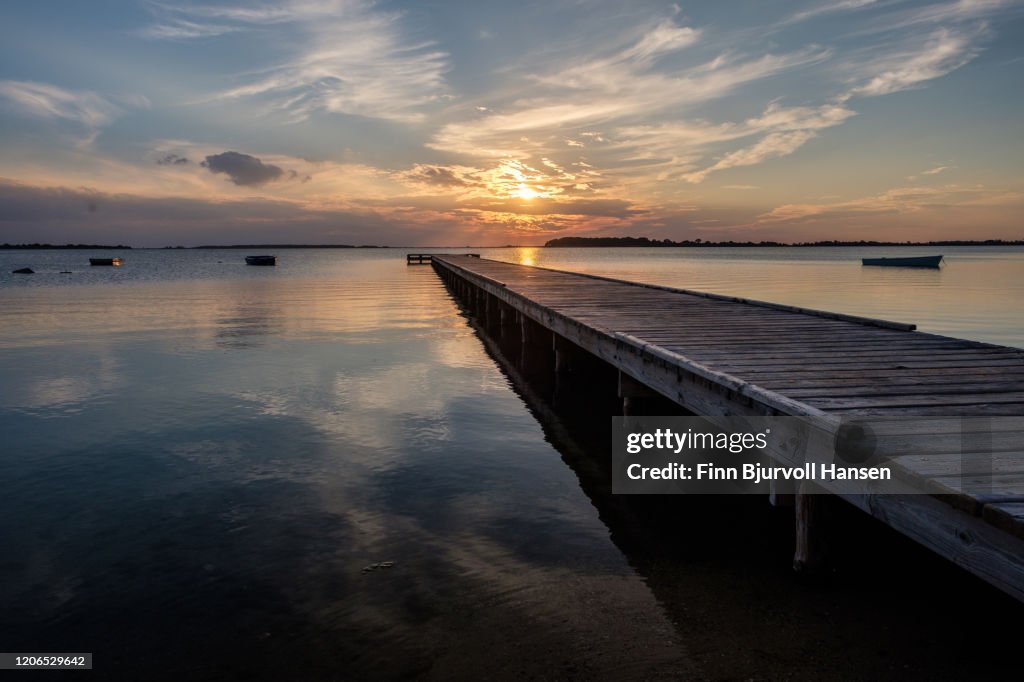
pixel 977 410
pixel 923 400
pixel 894 390
pixel 953 464
pixel 791 384
pixel 861 365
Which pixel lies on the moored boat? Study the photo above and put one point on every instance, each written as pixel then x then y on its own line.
pixel 906 262
pixel 261 260
pixel 106 261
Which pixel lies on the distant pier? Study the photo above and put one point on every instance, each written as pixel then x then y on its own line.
pixel 723 356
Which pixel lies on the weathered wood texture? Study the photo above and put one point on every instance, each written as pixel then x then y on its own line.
pixel 728 356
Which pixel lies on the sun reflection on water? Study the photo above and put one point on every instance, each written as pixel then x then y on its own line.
pixel 527 256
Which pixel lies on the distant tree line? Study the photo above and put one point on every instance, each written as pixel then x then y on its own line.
pixel 288 246
pixel 63 246
pixel 645 241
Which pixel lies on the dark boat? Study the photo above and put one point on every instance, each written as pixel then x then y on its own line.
pixel 907 262
pixel 261 260
pixel 105 261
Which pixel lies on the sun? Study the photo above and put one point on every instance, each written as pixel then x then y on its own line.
pixel 525 192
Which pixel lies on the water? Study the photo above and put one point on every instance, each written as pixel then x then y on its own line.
pixel 978 294
pixel 200 460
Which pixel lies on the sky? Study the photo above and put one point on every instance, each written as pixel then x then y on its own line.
pixel 489 123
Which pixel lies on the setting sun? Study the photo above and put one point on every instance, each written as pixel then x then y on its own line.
pixel 526 192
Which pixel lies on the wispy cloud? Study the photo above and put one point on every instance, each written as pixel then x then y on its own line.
pixel 345 57
pixel 818 10
pixel 43 100
pixel 782 131
pixel 897 201
pixel 768 147
pixel 942 52
pixel 180 29
pixel 957 12
pixel 611 88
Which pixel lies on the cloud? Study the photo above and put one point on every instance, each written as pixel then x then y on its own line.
pixel 341 57
pixel 608 208
pixel 61 215
pixel 599 90
pixel 768 147
pixel 944 51
pixel 180 29
pixel 242 169
pixel 957 12
pixel 936 170
pixel 43 100
pixel 440 176
pixel 829 8
pixel 783 130
pixel 897 201
pixel 664 38
pixel 646 108
pixel 172 160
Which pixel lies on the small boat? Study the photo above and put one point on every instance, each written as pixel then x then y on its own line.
pixel 106 261
pixel 24 271
pixel 261 260
pixel 907 262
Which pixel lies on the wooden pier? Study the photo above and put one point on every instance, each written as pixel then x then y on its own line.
pixel 719 356
pixel 427 258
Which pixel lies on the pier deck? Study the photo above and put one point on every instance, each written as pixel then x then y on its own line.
pixel 723 356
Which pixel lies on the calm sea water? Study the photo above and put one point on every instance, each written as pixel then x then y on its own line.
pixel 203 463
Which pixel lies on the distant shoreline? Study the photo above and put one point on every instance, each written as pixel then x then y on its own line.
pixel 15 247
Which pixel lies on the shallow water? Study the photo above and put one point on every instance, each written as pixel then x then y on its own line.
pixel 200 459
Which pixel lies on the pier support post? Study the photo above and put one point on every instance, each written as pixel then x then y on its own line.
pixel 507 321
pixel 811 535
pixel 637 398
pixel 781 493
pixel 489 311
pixel 536 345
pixel 568 356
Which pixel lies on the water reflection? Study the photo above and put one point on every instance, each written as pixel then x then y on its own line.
pixel 187 509
pixel 526 256
pixel 238 495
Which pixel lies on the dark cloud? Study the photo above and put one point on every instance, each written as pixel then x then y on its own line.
pixel 60 215
pixel 242 169
pixel 438 175
pixel 611 208
pixel 172 160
